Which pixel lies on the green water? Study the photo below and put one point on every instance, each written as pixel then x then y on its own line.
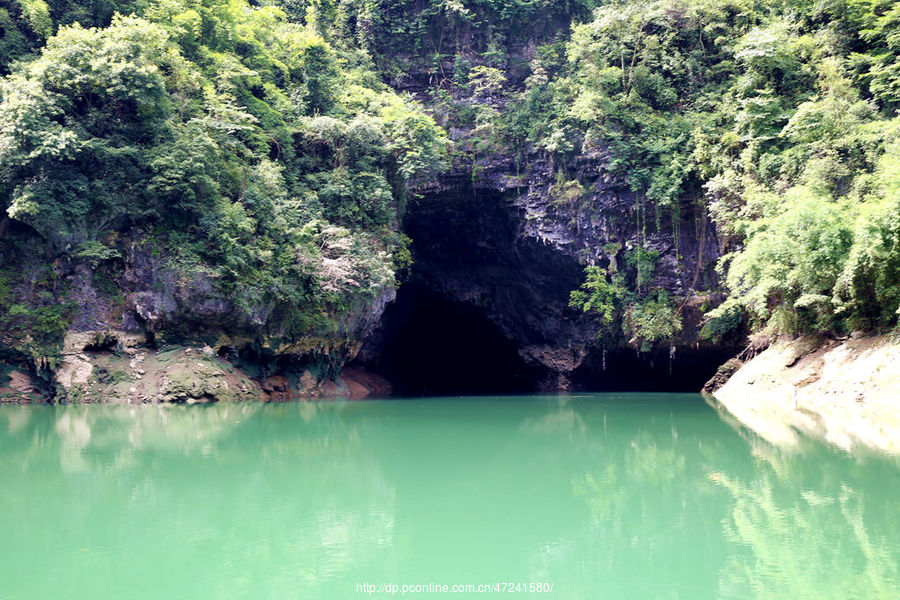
pixel 600 496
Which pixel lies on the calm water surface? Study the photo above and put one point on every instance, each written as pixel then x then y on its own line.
pixel 600 496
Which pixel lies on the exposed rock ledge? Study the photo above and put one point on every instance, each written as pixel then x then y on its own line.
pixel 124 369
pixel 845 392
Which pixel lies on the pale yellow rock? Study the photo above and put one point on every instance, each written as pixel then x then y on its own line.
pixel 73 371
pixel 77 366
pixel 21 382
pixel 847 393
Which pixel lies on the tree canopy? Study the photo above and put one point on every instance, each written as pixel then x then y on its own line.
pixel 253 148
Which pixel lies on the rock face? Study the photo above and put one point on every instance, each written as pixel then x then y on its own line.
pixel 16 387
pixel 188 375
pixel 469 249
pixel 495 260
pixel 505 249
pixel 138 307
pixel 594 230
pixel 844 392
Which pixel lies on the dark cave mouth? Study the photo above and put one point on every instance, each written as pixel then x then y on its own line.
pixel 433 346
pixel 685 370
pixel 432 343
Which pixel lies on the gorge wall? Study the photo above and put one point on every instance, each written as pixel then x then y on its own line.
pixel 484 307
pixel 130 300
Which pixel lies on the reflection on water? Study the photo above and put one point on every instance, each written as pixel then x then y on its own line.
pixel 634 496
pixel 800 531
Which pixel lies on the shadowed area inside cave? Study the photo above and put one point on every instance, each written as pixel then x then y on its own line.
pixel 479 294
pixel 432 346
pixel 624 370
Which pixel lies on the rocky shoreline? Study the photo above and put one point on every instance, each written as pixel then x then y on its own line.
pixel 841 391
pixel 130 372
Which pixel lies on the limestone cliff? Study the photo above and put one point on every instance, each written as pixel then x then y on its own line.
pixel 494 234
pixel 127 326
pixel 494 245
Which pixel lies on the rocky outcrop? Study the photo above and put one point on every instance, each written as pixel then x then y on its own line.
pixel 140 303
pixel 131 374
pixel 843 391
pixel 505 244
pixel 17 387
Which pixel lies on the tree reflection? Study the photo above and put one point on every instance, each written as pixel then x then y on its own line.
pixel 221 483
pixel 758 520
pixel 830 535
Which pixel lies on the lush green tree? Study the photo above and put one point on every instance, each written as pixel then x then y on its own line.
pixel 246 141
pixel 780 113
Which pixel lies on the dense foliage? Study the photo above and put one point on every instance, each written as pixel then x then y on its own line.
pixel 781 119
pixel 25 25
pixel 253 150
pixel 257 141
pixel 401 36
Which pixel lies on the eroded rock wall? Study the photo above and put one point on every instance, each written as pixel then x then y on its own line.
pixel 140 306
pixel 503 244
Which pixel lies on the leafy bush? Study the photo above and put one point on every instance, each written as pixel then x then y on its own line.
pixel 650 320
pixel 644 319
pixel 722 320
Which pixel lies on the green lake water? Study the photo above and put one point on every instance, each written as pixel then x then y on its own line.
pixel 598 496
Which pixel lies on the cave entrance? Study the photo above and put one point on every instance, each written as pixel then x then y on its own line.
pixel 433 346
pixel 624 370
